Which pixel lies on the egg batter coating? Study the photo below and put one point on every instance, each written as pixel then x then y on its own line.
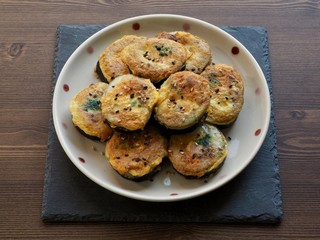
pixel 183 100
pixel 128 102
pixel 155 59
pixel 137 155
pixel 86 112
pixel 227 94
pixel 199 153
pixel 110 64
pixel 200 49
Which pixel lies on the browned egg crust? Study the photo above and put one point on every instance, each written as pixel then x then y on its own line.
pixel 198 153
pixel 86 112
pixel 155 59
pixel 137 155
pixel 200 49
pixel 227 93
pixel 183 100
pixel 128 102
pixel 110 64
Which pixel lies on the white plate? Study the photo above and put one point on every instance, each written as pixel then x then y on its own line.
pixel 247 133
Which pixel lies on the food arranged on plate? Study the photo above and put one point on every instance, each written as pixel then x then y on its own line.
pixel 110 64
pixel 86 112
pixel 155 58
pixel 137 155
pixel 128 102
pixel 183 100
pixel 160 97
pixel 227 94
pixel 200 49
pixel 198 153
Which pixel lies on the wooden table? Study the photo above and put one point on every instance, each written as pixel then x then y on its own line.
pixel 27 40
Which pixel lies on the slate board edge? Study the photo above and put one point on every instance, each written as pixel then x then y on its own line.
pixel 100 218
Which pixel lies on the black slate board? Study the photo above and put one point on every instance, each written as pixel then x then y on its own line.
pixel 252 197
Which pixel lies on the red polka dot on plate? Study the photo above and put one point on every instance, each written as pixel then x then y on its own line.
pixel 173 194
pixel 257 91
pixel 81 159
pixel 136 26
pixel 90 50
pixel 235 50
pixel 186 27
pixel 66 87
pixel 64 125
pixel 257 132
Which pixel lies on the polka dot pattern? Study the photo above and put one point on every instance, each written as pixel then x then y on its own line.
pixel 222 176
pixel 257 132
pixel 136 26
pixel 235 50
pixel 186 27
pixel 66 87
pixel 90 50
pixel 64 125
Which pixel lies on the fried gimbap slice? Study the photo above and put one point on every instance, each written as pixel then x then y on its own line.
pixel 183 100
pixel 137 155
pixel 155 59
pixel 110 65
pixel 227 93
pixel 86 112
pixel 199 153
pixel 200 49
pixel 128 102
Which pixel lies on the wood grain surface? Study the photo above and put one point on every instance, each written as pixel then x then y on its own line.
pixel 27 40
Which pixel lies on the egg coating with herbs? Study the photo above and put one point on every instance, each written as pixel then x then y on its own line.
pixel 86 112
pixel 137 155
pixel 155 59
pixel 128 102
pixel 227 93
pixel 183 100
pixel 199 153
pixel 200 49
pixel 110 64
